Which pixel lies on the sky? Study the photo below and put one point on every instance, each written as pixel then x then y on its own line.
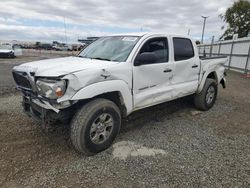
pixel 68 20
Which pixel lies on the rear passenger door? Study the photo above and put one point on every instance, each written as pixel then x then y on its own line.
pixel 187 67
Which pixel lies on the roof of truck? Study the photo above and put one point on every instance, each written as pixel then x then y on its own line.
pixel 140 34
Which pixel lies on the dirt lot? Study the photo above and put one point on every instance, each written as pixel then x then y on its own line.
pixel 169 145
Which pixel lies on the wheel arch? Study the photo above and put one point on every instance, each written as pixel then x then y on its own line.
pixel 116 91
pixel 208 74
pixel 117 98
pixel 213 75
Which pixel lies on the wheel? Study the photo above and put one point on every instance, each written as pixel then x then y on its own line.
pixel 11 55
pixel 95 126
pixel 206 98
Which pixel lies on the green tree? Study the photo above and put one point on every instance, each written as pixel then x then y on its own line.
pixel 238 19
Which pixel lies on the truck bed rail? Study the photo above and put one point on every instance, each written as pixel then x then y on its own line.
pixel 214 57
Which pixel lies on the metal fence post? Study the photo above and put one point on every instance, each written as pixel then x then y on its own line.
pixel 231 52
pixel 219 49
pixel 211 47
pixel 204 51
pixel 246 66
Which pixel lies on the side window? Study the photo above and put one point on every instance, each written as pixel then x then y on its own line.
pixel 159 46
pixel 183 49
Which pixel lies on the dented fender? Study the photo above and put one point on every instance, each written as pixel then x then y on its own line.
pixel 219 70
pixel 99 88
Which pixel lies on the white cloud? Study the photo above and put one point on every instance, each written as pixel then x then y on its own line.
pixel 159 15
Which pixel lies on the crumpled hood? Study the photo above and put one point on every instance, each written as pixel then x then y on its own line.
pixel 62 66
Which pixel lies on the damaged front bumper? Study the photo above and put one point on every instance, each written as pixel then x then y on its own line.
pixel 37 106
pixel 44 112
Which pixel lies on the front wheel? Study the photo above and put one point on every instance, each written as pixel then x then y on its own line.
pixel 11 55
pixel 206 98
pixel 95 126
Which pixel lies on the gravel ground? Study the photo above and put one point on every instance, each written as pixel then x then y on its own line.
pixel 168 145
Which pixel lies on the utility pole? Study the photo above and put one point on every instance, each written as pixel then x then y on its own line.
pixel 188 31
pixel 203 29
pixel 66 41
pixel 141 29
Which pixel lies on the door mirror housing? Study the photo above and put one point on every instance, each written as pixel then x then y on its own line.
pixel 145 58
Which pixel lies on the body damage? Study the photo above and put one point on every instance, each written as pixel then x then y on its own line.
pixel 86 78
pixel 92 82
pixel 98 88
pixel 211 66
pixel 138 86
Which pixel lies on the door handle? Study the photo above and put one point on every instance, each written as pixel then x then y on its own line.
pixel 167 70
pixel 194 66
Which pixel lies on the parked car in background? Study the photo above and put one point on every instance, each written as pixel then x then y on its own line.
pixel 60 47
pixel 9 50
pixel 42 46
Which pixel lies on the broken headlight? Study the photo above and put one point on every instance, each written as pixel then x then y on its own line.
pixel 52 89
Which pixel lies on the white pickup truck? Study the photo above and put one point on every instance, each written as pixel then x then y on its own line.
pixel 113 77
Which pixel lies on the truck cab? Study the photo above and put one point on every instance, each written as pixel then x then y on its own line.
pixel 113 77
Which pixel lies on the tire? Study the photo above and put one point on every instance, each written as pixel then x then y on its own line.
pixel 11 55
pixel 205 99
pixel 95 126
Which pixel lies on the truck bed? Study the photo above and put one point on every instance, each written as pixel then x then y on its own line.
pixel 214 57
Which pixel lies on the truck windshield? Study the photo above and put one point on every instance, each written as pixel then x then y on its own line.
pixel 116 48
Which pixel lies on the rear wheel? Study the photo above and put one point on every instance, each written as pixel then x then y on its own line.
pixel 206 98
pixel 95 126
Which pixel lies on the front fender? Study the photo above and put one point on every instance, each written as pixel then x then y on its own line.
pixel 99 88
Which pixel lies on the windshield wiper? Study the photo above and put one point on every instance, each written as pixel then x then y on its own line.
pixel 81 56
pixel 99 58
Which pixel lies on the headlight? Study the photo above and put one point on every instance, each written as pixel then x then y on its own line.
pixel 51 89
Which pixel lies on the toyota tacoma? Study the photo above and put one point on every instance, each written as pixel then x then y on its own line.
pixel 113 77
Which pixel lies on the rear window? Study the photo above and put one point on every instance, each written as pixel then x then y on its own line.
pixel 183 49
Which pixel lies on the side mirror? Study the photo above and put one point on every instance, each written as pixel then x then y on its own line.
pixel 145 58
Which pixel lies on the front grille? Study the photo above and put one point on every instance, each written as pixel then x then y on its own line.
pixel 21 80
pixel 4 54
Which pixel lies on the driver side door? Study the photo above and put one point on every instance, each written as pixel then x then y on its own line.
pixel 151 81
